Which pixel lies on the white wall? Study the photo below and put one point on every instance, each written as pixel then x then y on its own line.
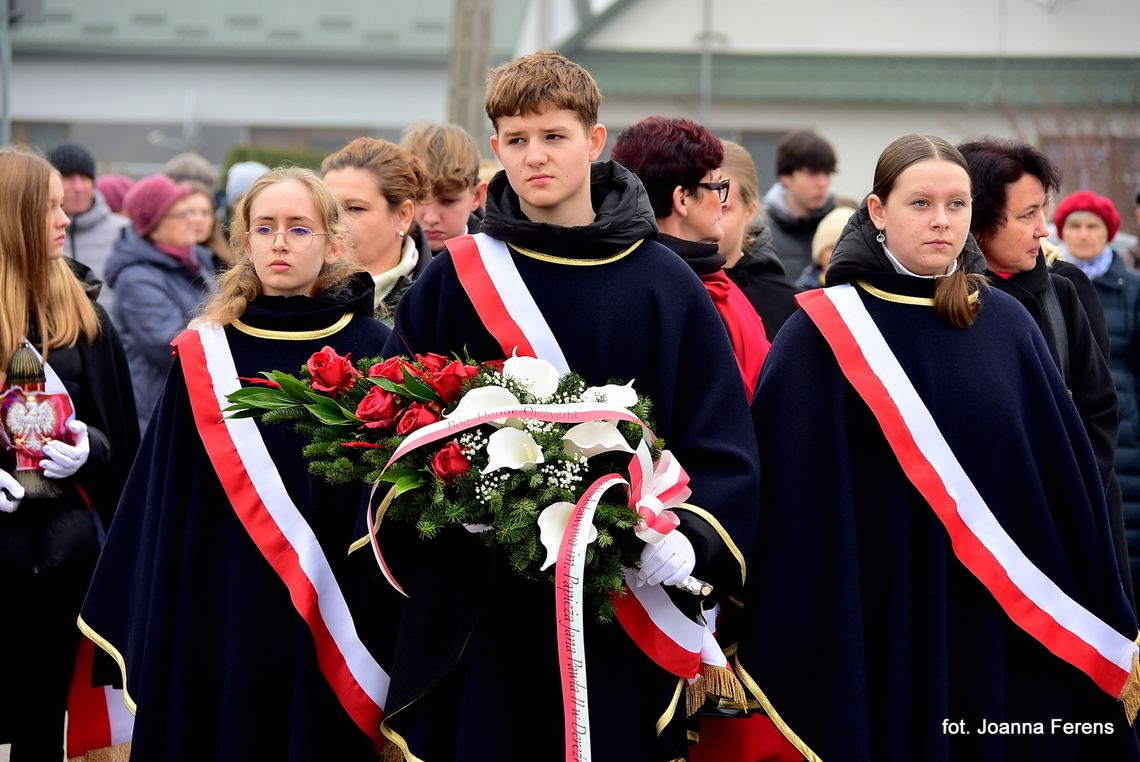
pixel 247 93
pixel 1103 28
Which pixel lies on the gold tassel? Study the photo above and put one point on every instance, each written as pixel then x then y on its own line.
pixel 694 696
pixel 721 683
pixel 117 753
pixel 391 753
pixel 1130 695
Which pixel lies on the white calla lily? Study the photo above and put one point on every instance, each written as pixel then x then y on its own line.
pixel 552 523
pixel 539 377
pixel 591 438
pixel 512 448
pixel 484 398
pixel 611 394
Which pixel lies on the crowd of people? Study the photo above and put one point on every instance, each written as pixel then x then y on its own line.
pixel 910 425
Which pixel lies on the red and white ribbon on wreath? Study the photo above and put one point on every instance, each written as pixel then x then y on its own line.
pixel 571 412
pixel 1031 599
pixel 654 489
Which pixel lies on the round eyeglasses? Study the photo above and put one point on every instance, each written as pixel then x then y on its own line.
pixel 297 238
pixel 720 188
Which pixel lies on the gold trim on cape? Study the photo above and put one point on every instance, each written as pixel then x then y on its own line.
pixel 773 715
pixel 113 652
pixel 574 262
pixel 886 296
pixel 318 333
pixel 917 301
pixel 724 535
pixel 667 717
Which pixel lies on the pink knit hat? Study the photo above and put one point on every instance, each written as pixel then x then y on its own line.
pixel 113 188
pixel 1087 201
pixel 148 201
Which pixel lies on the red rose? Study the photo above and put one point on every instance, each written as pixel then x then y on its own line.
pixel 432 362
pixel 392 369
pixel 448 382
pixel 415 417
pixel 450 462
pixel 379 409
pixel 495 365
pixel 332 373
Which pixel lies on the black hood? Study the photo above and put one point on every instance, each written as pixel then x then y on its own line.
pixel 702 257
pixel 761 255
pixel 623 216
pixel 91 285
pixel 858 253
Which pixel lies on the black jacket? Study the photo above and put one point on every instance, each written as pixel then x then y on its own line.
pixel 1087 375
pixel 1119 292
pixel 792 235
pixel 763 279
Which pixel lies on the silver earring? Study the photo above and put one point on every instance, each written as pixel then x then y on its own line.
pixel 881 237
pixel 399 233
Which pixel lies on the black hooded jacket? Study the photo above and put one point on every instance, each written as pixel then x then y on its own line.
pixel 763 279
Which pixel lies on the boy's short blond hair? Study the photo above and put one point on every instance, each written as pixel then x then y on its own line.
pixel 540 82
pixel 449 153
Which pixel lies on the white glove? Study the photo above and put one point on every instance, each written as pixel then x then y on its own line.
pixel 667 562
pixel 11 493
pixel 62 460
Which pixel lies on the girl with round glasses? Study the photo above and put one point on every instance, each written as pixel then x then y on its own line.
pixel 224 593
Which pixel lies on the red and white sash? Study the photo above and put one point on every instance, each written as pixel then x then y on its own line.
pixel 504 303
pixel 258 495
pixel 1032 600
pixel 670 638
pixel 97 715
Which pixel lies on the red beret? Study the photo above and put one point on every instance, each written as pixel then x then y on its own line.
pixel 1087 201
pixel 148 201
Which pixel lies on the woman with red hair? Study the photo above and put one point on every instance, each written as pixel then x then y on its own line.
pixel 679 163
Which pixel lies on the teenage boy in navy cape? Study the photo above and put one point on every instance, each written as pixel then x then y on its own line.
pixel 476 667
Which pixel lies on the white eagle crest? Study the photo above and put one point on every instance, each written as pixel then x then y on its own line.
pixel 31 424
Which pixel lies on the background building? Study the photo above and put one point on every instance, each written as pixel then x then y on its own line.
pixel 140 80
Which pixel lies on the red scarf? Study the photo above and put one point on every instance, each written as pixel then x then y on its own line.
pixel 745 329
